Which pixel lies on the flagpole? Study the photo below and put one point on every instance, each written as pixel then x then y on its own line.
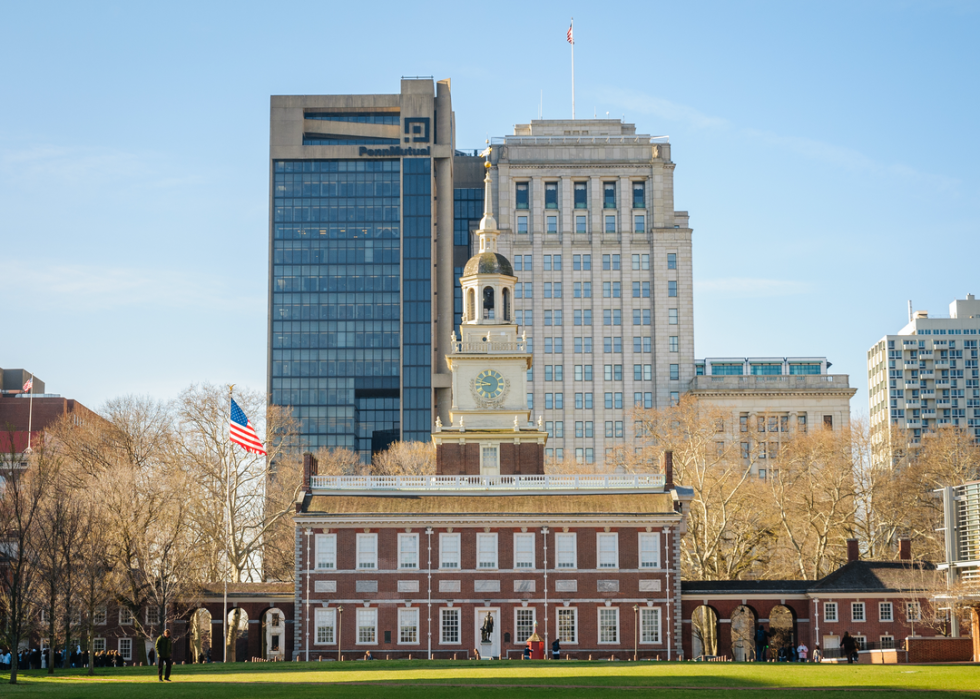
pixel 224 617
pixel 570 29
pixel 30 416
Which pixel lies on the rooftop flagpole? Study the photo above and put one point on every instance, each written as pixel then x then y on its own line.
pixel 571 40
pixel 30 413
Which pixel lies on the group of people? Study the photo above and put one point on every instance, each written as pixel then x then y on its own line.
pixel 34 659
pixel 787 653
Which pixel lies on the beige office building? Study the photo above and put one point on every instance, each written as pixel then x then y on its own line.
pixel 603 261
pixel 773 398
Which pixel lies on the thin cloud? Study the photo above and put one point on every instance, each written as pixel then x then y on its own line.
pixel 809 148
pixel 97 288
pixel 665 109
pixel 752 287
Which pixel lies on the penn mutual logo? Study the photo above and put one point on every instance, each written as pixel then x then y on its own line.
pixel 393 151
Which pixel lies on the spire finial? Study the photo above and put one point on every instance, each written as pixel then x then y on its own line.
pixel 488 222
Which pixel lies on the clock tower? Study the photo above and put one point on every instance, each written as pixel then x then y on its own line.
pixel 491 431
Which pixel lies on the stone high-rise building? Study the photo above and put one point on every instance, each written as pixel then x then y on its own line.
pixel 604 276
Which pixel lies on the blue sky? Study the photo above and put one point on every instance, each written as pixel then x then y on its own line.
pixel 826 152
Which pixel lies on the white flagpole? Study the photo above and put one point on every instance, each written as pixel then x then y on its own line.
pixel 224 617
pixel 571 29
pixel 30 416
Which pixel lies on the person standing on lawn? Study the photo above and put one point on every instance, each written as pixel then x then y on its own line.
pixel 849 646
pixel 164 649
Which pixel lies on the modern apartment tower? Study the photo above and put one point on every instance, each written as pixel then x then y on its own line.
pixel 927 376
pixel 360 308
pixel 603 261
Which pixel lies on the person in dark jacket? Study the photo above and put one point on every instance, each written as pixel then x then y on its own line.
pixel 164 649
pixel 849 646
pixel 761 640
pixel 556 649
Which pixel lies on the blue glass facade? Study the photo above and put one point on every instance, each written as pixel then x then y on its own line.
pixel 467 212
pixel 336 299
pixel 417 289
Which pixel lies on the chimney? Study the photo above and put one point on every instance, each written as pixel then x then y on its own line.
pixel 905 549
pixel 309 468
pixel 668 466
pixel 853 551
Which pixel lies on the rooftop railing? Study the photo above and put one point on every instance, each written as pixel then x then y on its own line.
pixel 825 381
pixel 581 140
pixel 489 347
pixel 489 484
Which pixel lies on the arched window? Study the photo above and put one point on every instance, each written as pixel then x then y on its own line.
pixel 507 304
pixel 471 304
pixel 488 302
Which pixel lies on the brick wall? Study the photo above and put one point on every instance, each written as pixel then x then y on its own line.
pixel 588 597
pixel 939 649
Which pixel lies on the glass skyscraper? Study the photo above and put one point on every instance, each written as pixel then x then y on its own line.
pixel 354 278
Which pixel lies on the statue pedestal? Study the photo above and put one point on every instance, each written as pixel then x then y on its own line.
pixel 486 650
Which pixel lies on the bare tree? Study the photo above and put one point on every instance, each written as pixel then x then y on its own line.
pixel 22 496
pixel 406 459
pixel 812 491
pixel 241 496
pixel 729 535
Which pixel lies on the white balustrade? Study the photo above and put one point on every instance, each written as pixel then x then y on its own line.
pixel 488 483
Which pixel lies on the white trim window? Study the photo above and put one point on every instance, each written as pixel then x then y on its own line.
pixel 650 625
pixel 830 611
pixel 98 645
pixel 449 551
pixel 524 618
pixel 490 459
pixel 861 642
pixel 524 551
pixel 125 617
pixel 566 554
pixel 326 551
pixel 608 625
pixel 886 642
pixel 100 617
pixel 152 615
pixel 913 611
pixel 568 624
pixel 325 623
pixel 367 626
pixel 449 626
pixel 649 550
pixel 486 551
pixel 408 551
pixel 886 612
pixel 607 550
pixel 857 612
pixel 367 551
pixel 408 626
pixel 126 648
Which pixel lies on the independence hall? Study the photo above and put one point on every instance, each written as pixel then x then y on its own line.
pixel 414 565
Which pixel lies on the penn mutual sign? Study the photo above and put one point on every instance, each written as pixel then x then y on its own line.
pixel 393 151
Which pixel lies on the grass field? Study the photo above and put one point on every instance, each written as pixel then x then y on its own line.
pixel 471 679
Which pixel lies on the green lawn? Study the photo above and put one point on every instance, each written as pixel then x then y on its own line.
pixel 450 680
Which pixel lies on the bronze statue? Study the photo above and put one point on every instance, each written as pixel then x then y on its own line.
pixel 487 628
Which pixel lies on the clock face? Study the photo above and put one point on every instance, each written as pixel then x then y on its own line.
pixel 489 384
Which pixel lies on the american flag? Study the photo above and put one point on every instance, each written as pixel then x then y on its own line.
pixel 242 433
pixel 569 35
pixel 29 385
